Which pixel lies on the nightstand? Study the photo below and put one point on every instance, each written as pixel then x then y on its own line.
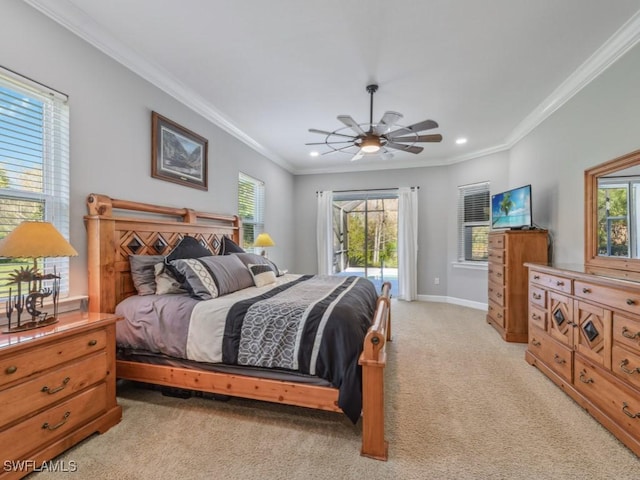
pixel 57 387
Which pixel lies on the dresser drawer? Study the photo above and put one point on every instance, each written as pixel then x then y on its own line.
pixel 537 317
pixel 496 273
pixel 22 365
pixel 556 356
pixel 51 387
pixel 496 293
pixel 497 256
pixel 626 365
pixel 496 312
pixel 620 403
pixel 612 297
pixel 53 423
pixel 496 241
pixel 555 282
pixel 626 332
pixel 538 296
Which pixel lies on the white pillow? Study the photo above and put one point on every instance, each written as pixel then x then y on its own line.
pixel 165 282
pixel 262 274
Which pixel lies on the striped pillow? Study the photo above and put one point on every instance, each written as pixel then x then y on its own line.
pixel 262 274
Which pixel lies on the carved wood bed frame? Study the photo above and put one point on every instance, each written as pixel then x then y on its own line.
pixel 119 228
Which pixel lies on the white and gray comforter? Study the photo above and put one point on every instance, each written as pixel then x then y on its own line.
pixel 313 325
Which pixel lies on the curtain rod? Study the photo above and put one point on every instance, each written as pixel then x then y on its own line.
pixel 369 190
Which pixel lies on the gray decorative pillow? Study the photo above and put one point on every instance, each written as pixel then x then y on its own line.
pixel 214 276
pixel 165 282
pixel 255 259
pixel 262 274
pixel 143 274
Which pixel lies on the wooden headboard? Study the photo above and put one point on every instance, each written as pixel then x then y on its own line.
pixel 119 228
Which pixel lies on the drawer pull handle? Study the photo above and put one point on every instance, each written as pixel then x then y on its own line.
pixel 558 359
pixel 586 290
pixel 11 369
pixel 498 274
pixel 93 343
pixel 65 417
pixel 630 301
pixel 536 277
pixel 627 412
pixel 499 315
pixel 583 377
pixel 625 333
pixel 535 343
pixel 499 295
pixel 51 391
pixel 536 296
pixel 535 316
pixel 560 283
pixel 623 365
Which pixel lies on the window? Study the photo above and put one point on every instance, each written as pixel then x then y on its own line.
pixel 250 209
pixel 34 166
pixel 617 206
pixel 473 222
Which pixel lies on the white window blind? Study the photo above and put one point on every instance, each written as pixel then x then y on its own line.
pixel 473 222
pixel 250 209
pixel 34 166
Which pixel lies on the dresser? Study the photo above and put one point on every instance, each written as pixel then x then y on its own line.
pixel 507 282
pixel 57 387
pixel 584 334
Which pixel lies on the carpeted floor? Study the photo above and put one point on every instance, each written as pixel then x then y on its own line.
pixel 461 404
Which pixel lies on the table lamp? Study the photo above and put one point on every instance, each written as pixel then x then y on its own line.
pixel 264 240
pixel 33 240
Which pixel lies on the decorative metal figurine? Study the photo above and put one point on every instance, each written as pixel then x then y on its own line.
pixel 33 300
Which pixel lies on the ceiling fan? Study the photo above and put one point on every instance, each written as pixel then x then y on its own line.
pixel 376 138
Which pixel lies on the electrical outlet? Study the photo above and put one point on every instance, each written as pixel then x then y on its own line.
pixel 436 281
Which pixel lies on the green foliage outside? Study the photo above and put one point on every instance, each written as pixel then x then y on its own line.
pixel 613 231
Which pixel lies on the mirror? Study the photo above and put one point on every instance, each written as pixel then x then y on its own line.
pixel 612 217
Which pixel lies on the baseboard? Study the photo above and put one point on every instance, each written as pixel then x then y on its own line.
pixel 454 301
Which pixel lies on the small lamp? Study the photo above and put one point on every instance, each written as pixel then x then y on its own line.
pixel 264 240
pixel 33 240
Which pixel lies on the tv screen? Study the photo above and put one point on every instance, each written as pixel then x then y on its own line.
pixel 512 209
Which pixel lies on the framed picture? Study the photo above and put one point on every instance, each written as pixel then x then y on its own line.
pixel 177 154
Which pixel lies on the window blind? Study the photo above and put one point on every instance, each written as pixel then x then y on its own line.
pixel 473 222
pixel 251 194
pixel 34 166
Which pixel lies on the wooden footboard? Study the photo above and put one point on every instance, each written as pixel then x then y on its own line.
pixel 119 228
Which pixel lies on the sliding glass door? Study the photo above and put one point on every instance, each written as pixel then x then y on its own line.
pixel 365 226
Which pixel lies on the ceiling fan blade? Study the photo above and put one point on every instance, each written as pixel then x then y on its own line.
pixel 323 132
pixel 358 155
pixel 351 123
pixel 416 127
pixel 338 149
pixel 406 148
pixel 388 120
pixel 329 143
pixel 436 137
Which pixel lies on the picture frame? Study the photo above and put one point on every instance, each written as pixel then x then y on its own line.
pixel 178 155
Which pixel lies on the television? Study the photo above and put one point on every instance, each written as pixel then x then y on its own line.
pixel 512 209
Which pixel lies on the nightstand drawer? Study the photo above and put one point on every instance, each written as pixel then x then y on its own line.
pixel 45 427
pixel 22 365
pixel 51 387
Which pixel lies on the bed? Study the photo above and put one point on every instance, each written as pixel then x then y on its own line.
pixel 118 230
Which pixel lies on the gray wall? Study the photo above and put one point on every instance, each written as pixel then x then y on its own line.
pixel 111 134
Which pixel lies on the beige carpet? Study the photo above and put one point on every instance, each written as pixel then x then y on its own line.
pixel 461 404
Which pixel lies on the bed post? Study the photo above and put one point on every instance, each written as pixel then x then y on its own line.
pixel 100 254
pixel 373 361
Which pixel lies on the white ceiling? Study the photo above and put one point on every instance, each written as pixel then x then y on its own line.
pixel 267 71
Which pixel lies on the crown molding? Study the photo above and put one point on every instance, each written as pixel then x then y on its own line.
pixel 625 38
pixel 77 21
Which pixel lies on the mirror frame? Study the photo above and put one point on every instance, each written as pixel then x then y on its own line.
pixel 625 267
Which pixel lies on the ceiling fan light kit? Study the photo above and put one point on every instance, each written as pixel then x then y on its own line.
pixel 378 137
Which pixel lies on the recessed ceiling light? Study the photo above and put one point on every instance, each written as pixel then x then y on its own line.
pixel 314 153
pixel 461 141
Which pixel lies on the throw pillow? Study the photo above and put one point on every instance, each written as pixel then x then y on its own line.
pixel 228 247
pixel 143 273
pixel 262 274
